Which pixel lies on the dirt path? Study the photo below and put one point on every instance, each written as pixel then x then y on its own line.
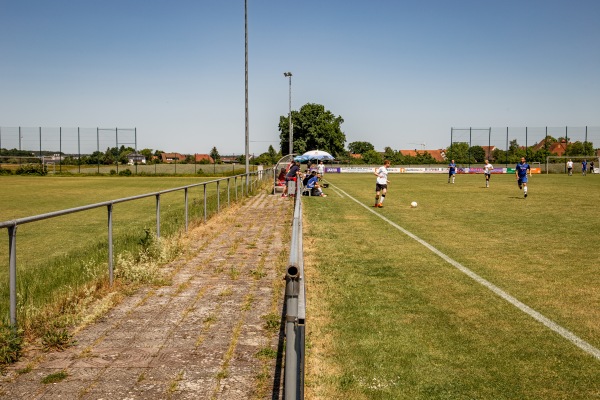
pixel 202 337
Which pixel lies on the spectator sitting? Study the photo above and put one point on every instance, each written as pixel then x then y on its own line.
pixel 306 178
pixel 281 177
pixel 323 185
pixel 292 175
pixel 313 185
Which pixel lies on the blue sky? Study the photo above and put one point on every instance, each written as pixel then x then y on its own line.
pixel 400 73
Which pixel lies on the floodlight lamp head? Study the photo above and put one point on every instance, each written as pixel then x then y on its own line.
pixel 286 74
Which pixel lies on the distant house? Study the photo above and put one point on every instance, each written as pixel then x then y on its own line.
pixel 488 150
pixel 230 159
pixel 203 157
pixel 438 155
pixel 558 148
pixel 172 157
pixel 135 158
pixel 356 156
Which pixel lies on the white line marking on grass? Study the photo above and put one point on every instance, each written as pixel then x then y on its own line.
pixel 570 336
pixel 336 192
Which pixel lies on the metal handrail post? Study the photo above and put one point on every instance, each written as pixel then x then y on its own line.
pixel 158 216
pixel 204 202
pixel 218 198
pixel 110 244
pixel 228 192
pixel 12 240
pixel 301 307
pixel 291 356
pixel 186 208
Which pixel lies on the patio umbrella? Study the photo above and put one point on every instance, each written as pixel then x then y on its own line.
pixel 301 159
pixel 318 155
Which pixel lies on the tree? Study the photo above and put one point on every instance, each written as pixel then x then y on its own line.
pixel 214 153
pixel 580 148
pixel 123 152
pixel 477 153
pixel 314 128
pixel 147 153
pixel 459 152
pixel 360 147
pixel 539 155
pixel 548 141
pixel 273 155
pixel 372 157
pixel 513 147
pixel 425 158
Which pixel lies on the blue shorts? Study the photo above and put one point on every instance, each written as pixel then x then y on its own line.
pixel 522 180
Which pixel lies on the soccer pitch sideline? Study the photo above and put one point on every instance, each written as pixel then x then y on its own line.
pixel 475 294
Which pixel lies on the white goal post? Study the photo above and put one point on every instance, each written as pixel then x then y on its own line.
pixel 576 161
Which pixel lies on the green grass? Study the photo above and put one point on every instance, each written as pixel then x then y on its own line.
pixel 403 323
pixel 64 258
pixel 158 169
pixel 55 377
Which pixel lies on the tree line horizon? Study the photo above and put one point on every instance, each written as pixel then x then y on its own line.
pixel 315 127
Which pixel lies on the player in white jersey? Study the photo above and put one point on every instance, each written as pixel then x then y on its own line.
pixel 381 187
pixel 487 171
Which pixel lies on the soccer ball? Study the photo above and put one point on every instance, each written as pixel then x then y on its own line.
pixel 413 204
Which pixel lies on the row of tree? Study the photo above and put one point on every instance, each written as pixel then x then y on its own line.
pixel 114 155
pixel 315 128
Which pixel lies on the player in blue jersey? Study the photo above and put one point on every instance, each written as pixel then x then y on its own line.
pixel 583 167
pixel 521 171
pixel 451 171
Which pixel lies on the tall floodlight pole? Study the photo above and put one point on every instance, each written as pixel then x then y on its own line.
pixel 289 75
pixel 247 153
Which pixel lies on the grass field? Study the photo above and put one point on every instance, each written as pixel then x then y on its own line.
pixel 167 168
pixel 60 255
pixel 390 319
pixel 25 196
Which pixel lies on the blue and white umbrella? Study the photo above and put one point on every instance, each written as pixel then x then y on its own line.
pixel 301 159
pixel 318 155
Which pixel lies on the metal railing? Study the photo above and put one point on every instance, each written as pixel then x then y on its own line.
pixel 250 182
pixel 295 300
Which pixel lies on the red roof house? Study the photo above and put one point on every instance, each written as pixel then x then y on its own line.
pixel 204 157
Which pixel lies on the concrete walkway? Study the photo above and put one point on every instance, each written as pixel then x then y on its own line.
pixel 202 337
